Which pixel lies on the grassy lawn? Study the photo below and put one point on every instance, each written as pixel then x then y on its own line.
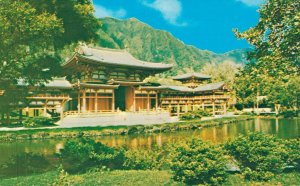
pixel 105 178
pixel 133 177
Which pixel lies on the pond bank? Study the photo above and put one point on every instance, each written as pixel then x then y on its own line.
pixel 56 133
pixel 139 177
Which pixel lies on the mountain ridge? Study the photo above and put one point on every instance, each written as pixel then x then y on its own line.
pixel 149 44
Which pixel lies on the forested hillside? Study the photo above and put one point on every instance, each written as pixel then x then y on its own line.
pixel 147 43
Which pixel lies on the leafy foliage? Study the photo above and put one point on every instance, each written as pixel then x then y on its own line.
pixel 33 34
pixel 293 158
pixel 30 46
pixel 37 122
pixel 260 155
pixel 142 159
pixel 276 49
pixel 78 156
pixel 195 114
pixel 198 162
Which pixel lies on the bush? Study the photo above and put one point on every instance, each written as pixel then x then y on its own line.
pixel 293 156
pixel 156 158
pixel 260 155
pixel 198 162
pixel 288 113
pixel 78 156
pixel 195 114
pixel 142 159
pixel 37 122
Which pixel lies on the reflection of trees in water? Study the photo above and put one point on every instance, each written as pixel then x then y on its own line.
pixel 217 134
pixel 25 164
pixel 284 128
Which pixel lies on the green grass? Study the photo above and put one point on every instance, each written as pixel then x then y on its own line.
pixel 281 179
pixel 130 177
pixel 133 177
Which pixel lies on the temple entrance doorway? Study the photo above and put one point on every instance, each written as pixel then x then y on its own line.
pixel 120 99
pixel 124 97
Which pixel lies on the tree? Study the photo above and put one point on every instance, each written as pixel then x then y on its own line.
pixel 224 71
pixel 276 51
pixel 33 34
pixel 26 45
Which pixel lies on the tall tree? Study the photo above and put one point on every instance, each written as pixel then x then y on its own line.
pixel 276 54
pixel 33 32
pixel 32 35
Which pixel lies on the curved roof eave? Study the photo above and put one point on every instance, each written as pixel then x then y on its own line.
pixel 191 75
pixel 160 67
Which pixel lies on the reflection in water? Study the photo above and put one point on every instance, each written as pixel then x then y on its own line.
pixel 284 128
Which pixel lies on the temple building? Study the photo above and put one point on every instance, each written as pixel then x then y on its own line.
pixel 194 94
pixel 106 80
pixel 100 81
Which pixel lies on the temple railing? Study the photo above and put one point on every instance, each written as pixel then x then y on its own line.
pixel 51 97
pixel 101 112
pixel 195 98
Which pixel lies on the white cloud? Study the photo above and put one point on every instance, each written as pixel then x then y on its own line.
pixel 101 11
pixel 252 2
pixel 170 10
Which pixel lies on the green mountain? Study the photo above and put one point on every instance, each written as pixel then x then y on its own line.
pixel 149 44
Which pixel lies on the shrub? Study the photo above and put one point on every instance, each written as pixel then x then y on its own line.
pixel 142 159
pixel 156 158
pixel 260 155
pixel 195 114
pixel 132 130
pixel 293 156
pixel 37 122
pixel 198 162
pixel 80 155
pixel 288 113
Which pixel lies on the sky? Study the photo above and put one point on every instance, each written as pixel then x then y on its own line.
pixel 206 24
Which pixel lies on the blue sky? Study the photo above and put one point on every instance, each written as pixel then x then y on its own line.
pixel 206 24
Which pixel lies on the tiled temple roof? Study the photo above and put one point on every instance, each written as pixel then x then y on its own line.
pixel 184 89
pixel 192 75
pixel 60 83
pixel 209 87
pixel 116 57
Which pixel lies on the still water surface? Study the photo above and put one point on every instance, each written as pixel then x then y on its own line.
pixel 283 128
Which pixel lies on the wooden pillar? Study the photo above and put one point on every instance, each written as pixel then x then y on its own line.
pixel 178 109
pixel 225 109
pixel 27 111
pixel 96 100
pixel 214 109
pixel 91 104
pixel 45 109
pixel 202 105
pixel 148 101
pixel 62 110
pixel 186 107
pixel 113 101
pixel 134 101
pixel 78 101
pixel 156 101
pixel 83 101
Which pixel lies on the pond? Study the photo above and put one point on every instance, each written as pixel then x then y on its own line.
pixel 14 152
